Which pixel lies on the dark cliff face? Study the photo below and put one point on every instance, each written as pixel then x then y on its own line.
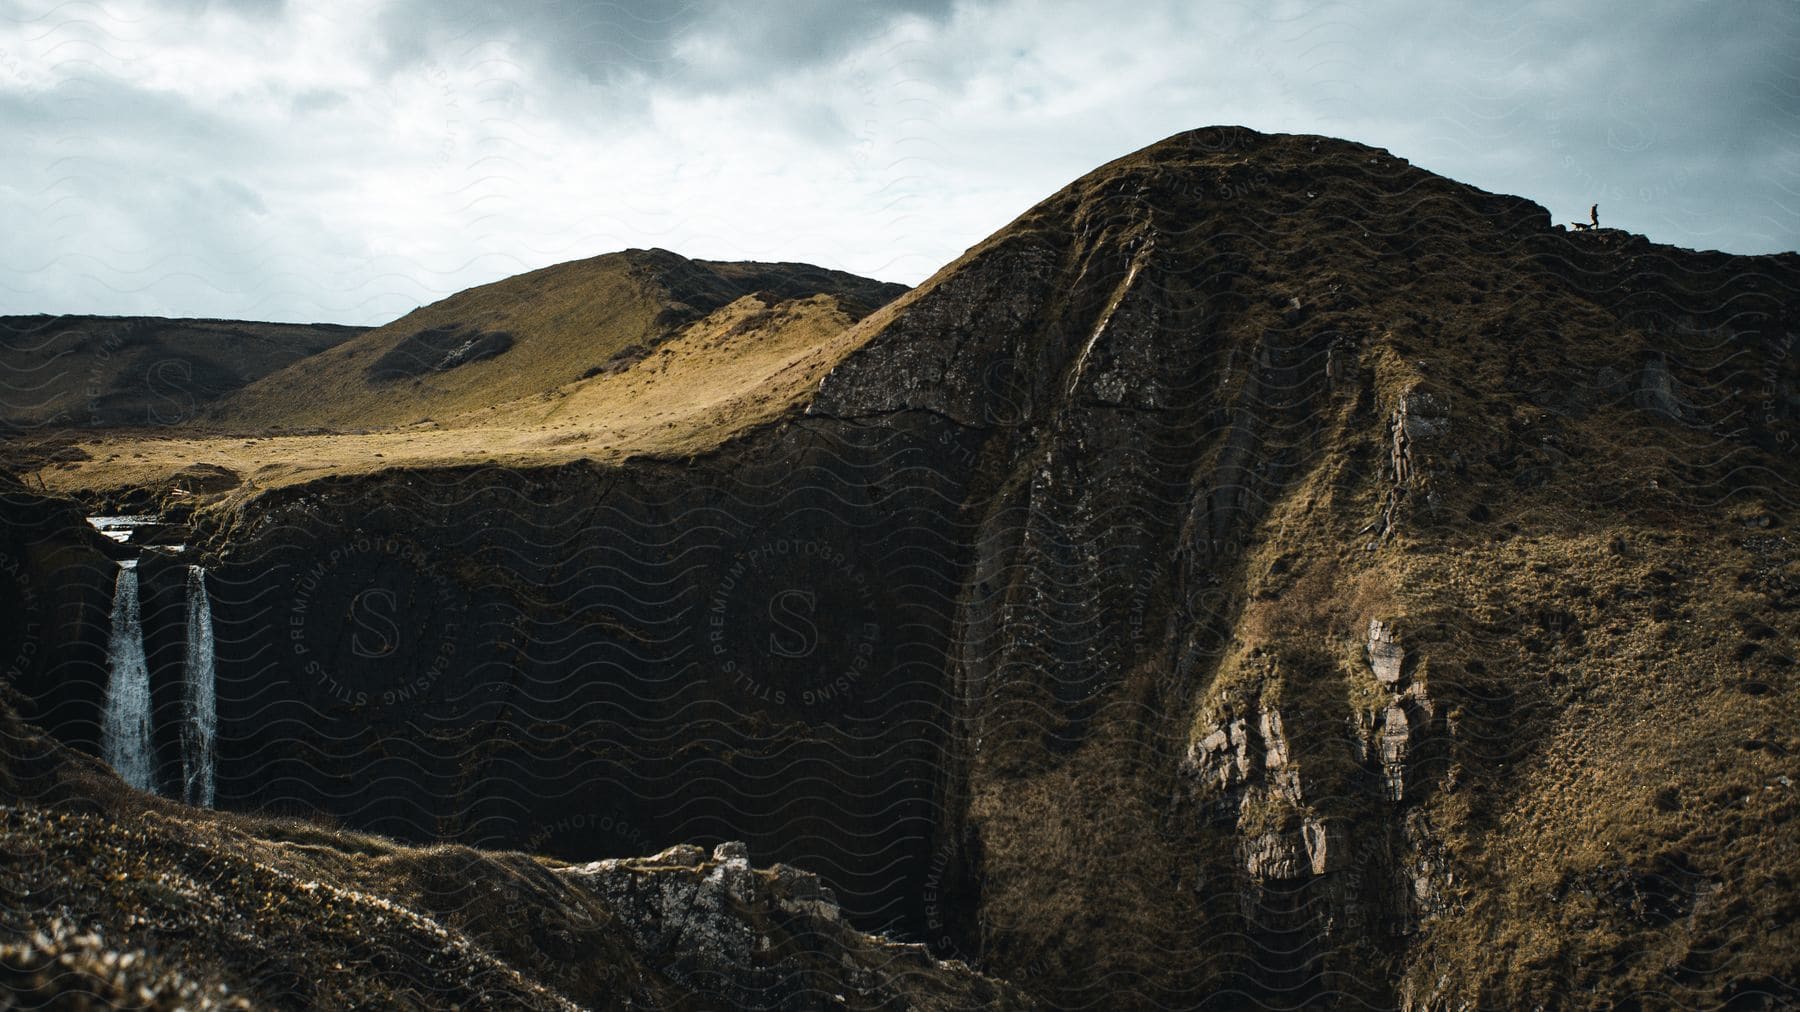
pixel 1263 572
pixel 599 663
pixel 56 589
pixel 1252 404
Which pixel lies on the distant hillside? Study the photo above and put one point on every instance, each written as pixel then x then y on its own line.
pixel 631 353
pixel 526 337
pixel 114 371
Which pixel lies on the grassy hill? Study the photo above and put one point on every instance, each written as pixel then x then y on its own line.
pixel 642 351
pixel 463 360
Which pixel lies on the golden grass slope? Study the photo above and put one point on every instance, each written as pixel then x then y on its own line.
pixel 556 326
pixel 641 352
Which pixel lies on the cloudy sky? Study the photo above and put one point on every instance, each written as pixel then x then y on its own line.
pixel 347 160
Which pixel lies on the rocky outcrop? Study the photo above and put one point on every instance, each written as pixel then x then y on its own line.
pixel 437 349
pixel 1386 656
pixel 116 899
pixel 714 919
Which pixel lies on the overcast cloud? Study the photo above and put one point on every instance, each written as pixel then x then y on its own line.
pixel 347 161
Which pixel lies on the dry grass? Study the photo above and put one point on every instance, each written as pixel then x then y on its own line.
pixel 743 364
pixel 1636 826
pixel 634 353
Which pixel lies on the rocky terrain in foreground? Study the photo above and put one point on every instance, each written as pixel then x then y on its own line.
pixel 1264 574
pixel 112 899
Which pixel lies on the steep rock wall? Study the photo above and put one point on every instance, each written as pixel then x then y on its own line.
pixel 1243 678
pixel 598 662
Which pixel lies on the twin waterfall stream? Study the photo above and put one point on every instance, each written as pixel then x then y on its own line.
pixel 198 713
pixel 126 742
pixel 125 734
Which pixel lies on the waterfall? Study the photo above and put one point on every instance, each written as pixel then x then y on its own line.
pixel 200 714
pixel 126 729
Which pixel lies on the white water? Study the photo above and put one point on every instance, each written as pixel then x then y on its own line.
pixel 125 731
pixel 120 528
pixel 200 713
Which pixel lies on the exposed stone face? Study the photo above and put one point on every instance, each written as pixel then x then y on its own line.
pixel 715 926
pixel 1275 856
pixel 1655 391
pixel 1317 837
pixel 56 573
pixel 685 855
pixel 1417 430
pixel 698 914
pixel 1278 855
pixel 947 355
pixel 802 892
pixel 1221 760
pixel 1386 656
pixel 1240 763
pixel 1420 419
pixel 438 349
pixel 1393 739
pixel 1427 871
